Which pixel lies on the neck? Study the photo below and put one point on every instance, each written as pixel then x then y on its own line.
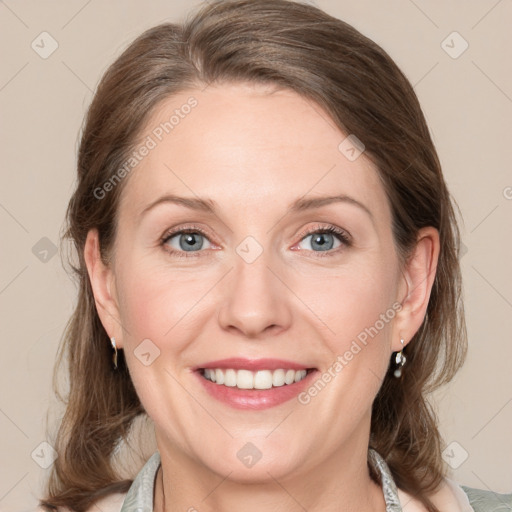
pixel 342 483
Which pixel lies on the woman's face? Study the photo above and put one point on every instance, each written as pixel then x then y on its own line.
pixel 257 280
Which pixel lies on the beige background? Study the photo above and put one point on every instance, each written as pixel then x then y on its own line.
pixel 468 104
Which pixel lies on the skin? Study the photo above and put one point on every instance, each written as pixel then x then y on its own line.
pixel 254 150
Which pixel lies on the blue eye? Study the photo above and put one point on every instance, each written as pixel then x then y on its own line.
pixel 323 240
pixel 188 240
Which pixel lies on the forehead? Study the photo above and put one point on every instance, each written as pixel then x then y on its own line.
pixel 249 146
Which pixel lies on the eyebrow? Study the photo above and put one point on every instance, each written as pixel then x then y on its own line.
pixel 302 204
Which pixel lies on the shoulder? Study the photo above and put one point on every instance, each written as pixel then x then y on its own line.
pixel 483 501
pixel 452 497
pixel 110 503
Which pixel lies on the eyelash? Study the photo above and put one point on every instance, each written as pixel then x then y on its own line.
pixel 342 235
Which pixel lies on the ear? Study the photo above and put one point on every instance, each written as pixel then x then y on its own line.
pixel 102 281
pixel 416 285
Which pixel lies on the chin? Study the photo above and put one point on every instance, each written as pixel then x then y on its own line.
pixel 261 473
pixel 253 461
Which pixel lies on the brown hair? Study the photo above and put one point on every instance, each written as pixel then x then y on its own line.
pixel 294 46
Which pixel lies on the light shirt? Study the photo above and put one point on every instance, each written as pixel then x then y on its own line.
pixel 451 498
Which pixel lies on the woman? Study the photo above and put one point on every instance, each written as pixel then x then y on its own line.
pixel 268 269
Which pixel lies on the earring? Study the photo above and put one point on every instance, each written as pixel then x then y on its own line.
pixel 400 360
pixel 114 355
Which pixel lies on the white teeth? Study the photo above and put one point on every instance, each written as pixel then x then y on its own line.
pixel 278 378
pixel 210 374
pixel 290 377
pixel 229 378
pixel 244 379
pixel 262 379
pixel 300 375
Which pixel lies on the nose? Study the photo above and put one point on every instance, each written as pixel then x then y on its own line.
pixel 256 300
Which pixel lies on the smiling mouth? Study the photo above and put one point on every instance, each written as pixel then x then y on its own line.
pixel 261 379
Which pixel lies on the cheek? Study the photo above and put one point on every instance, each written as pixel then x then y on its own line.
pixel 350 300
pixel 145 311
pixel 157 309
pixel 155 301
pixel 355 311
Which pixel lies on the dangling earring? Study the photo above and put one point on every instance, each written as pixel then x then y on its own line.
pixel 400 360
pixel 114 355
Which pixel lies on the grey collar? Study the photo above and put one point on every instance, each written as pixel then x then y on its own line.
pixel 387 481
pixel 140 495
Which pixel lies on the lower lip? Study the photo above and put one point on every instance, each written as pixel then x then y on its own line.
pixel 255 399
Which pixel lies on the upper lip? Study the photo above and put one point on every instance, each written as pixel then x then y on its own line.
pixel 240 363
